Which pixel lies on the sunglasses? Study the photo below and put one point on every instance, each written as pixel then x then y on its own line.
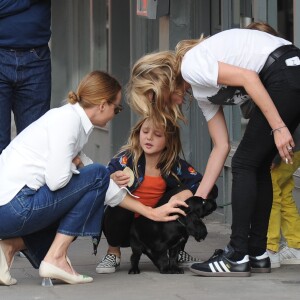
pixel 118 108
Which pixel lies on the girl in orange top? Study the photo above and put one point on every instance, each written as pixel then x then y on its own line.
pixel 152 153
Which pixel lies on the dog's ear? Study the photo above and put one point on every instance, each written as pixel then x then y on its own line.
pixel 191 204
pixel 196 205
pixel 213 193
pixel 210 205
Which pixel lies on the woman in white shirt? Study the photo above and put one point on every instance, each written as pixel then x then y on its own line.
pixel 51 193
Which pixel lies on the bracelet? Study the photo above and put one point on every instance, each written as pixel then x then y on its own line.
pixel 277 129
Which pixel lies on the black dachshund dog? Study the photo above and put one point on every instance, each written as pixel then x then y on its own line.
pixel 162 241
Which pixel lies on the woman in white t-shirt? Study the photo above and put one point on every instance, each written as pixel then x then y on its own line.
pixel 227 69
pixel 50 192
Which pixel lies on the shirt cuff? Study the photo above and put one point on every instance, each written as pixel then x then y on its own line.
pixel 85 159
pixel 115 195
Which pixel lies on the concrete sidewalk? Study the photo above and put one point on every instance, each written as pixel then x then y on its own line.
pixel 282 283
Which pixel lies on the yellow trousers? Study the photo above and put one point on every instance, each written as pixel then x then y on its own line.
pixel 284 218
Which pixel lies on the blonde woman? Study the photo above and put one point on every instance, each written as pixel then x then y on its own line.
pixel 153 154
pixel 227 69
pixel 48 197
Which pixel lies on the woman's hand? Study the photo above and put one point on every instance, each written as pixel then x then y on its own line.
pixel 159 214
pixel 284 143
pixel 162 213
pixel 120 178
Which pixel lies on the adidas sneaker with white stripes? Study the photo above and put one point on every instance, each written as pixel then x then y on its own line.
pixel 220 265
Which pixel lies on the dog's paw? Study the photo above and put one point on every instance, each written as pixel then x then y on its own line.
pixel 134 271
pixel 178 271
pixel 173 270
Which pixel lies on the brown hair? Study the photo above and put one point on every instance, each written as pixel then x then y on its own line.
pixel 173 147
pixel 95 88
pixel 261 26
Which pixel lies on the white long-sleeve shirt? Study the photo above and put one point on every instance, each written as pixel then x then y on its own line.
pixel 43 153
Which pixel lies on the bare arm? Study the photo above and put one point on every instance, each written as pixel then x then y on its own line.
pixel 183 195
pixel 161 213
pixel 235 76
pixel 221 147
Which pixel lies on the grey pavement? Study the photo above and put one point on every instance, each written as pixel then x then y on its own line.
pixel 282 283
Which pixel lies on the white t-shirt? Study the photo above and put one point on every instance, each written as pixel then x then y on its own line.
pixel 43 153
pixel 244 48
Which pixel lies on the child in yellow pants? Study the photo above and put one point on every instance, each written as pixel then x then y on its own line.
pixel 284 218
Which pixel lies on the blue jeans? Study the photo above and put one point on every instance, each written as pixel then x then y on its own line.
pixel 252 192
pixel 25 88
pixel 74 210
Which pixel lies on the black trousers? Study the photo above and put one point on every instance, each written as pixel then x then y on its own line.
pixel 252 192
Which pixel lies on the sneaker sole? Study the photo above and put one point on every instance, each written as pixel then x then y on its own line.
pixel 260 270
pixel 290 261
pixel 221 274
pixel 106 271
pixel 275 265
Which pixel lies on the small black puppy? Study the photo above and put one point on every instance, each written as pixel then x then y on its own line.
pixel 161 241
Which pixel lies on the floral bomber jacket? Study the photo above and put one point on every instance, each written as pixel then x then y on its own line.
pixel 188 177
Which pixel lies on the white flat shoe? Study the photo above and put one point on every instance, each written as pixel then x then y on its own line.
pixel 47 270
pixel 5 277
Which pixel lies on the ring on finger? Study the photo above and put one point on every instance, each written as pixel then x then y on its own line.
pixel 289 148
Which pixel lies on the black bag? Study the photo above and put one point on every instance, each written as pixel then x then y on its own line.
pixel 247 108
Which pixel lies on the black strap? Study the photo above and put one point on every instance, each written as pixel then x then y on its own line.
pixel 275 55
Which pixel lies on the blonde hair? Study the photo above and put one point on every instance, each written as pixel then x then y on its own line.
pixel 181 49
pixel 262 26
pixel 153 73
pixel 95 88
pixel 172 149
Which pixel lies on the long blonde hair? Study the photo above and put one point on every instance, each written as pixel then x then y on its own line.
pixel 95 88
pixel 171 152
pixel 181 49
pixel 151 83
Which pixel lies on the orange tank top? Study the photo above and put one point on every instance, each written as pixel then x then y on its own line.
pixel 151 190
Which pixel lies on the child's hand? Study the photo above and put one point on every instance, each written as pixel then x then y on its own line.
pixel 120 178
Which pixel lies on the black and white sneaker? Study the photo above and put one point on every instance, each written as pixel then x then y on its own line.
pixel 260 264
pixel 220 265
pixel 108 264
pixel 186 260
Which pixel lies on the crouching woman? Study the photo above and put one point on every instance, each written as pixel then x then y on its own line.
pixel 46 200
